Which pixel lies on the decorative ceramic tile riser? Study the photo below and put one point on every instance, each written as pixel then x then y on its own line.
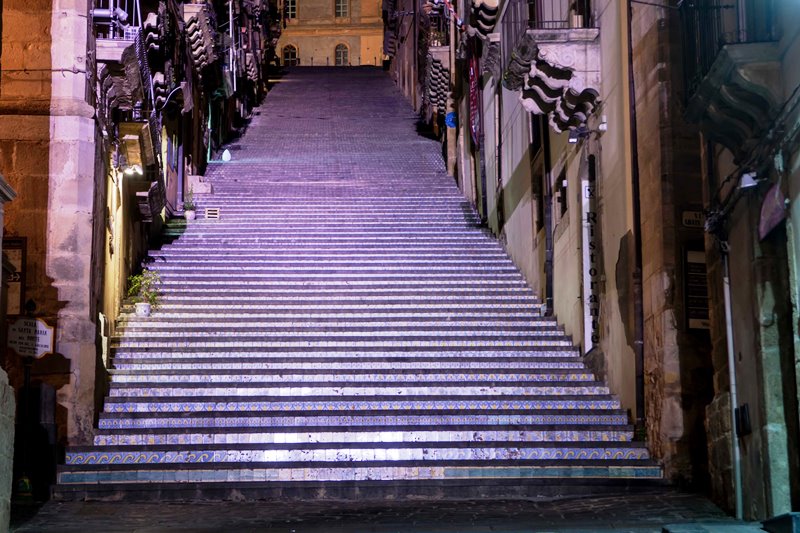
pixel 388 435
pixel 310 391
pixel 352 404
pixel 389 377
pixel 308 420
pixel 384 354
pixel 126 363
pixel 220 324
pixel 367 334
pixel 344 454
pixel 383 473
pixel 233 344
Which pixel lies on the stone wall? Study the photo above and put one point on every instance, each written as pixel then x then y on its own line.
pixel 718 428
pixel 7 408
pixel 677 358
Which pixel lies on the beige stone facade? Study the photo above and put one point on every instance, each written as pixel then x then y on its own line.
pixel 316 32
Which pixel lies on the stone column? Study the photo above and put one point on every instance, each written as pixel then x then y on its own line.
pixel 70 213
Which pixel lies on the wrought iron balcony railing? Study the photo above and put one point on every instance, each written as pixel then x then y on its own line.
pixel 708 25
pixel 560 14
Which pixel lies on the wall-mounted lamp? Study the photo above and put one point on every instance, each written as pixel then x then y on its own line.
pixel 581 132
pixel 133 170
pixel 575 134
pixel 748 180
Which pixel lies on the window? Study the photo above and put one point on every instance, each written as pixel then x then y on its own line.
pixel 342 8
pixel 290 9
pixel 561 187
pixel 342 56
pixel 290 56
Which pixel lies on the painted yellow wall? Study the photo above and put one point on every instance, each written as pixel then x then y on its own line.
pixel 614 193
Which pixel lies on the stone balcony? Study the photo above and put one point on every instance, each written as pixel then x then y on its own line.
pixel 110 50
pixel 737 100
pixel 558 73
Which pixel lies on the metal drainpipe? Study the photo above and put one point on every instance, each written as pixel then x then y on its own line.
pixel 232 52
pixel 638 318
pixel 548 221
pixel 735 452
pixel 415 60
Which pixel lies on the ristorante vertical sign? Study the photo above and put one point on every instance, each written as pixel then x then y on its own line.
pixel 591 258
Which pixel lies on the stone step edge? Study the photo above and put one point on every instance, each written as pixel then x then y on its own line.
pixel 371 398
pixel 365 412
pixel 528 427
pixel 474 463
pixel 355 371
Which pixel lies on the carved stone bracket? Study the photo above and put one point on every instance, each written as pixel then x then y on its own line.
pixel 736 102
pixel 200 34
pixel 485 14
pixel 437 77
pixel 119 84
pixel 564 77
pixel 490 62
pixel 152 201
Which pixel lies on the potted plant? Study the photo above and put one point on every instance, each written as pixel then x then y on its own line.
pixel 143 289
pixel 189 209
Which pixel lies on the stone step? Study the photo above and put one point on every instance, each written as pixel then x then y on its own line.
pixel 416 241
pixel 375 353
pixel 169 296
pixel 500 480
pixel 354 365
pixel 297 454
pixel 340 276
pixel 365 434
pixel 464 269
pixel 486 342
pixel 353 263
pixel 122 422
pixel 333 254
pixel 354 374
pixel 134 323
pixel 388 331
pixel 341 388
pixel 428 307
pixel 249 219
pixel 362 313
pixel 418 285
pixel 274 403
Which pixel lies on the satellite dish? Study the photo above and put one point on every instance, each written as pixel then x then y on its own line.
pixel 226 155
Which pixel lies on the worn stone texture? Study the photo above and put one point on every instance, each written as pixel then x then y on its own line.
pixel 718 427
pixel 677 360
pixel 7 410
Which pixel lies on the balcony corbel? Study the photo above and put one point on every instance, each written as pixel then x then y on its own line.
pixel 736 102
pixel 558 74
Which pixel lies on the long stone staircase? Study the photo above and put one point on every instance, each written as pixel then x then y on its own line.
pixel 346 329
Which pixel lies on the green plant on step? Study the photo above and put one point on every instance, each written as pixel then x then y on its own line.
pixel 188 202
pixel 143 287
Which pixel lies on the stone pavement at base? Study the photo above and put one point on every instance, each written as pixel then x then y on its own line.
pixel 644 512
